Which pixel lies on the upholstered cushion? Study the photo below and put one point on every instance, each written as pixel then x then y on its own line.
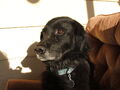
pixel 106 28
pixel 104 39
pixel 117 33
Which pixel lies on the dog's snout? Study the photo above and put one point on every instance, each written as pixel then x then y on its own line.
pixel 40 49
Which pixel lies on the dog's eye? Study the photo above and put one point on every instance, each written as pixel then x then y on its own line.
pixel 59 32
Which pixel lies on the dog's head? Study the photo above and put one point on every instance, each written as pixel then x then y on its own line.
pixel 60 36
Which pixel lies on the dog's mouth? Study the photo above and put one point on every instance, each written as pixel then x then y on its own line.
pixel 45 54
pixel 53 55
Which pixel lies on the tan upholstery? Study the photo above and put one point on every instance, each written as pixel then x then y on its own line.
pixel 105 28
pixel 104 38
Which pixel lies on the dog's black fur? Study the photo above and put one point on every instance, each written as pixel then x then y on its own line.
pixel 63 45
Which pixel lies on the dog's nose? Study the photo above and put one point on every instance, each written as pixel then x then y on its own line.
pixel 40 49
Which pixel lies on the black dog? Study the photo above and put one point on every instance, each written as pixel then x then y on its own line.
pixel 63 49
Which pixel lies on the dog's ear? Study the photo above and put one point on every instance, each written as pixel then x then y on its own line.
pixel 80 38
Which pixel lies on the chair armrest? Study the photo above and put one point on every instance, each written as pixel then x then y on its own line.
pixel 21 84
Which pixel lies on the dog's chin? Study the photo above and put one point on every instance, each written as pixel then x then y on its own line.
pixel 48 58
